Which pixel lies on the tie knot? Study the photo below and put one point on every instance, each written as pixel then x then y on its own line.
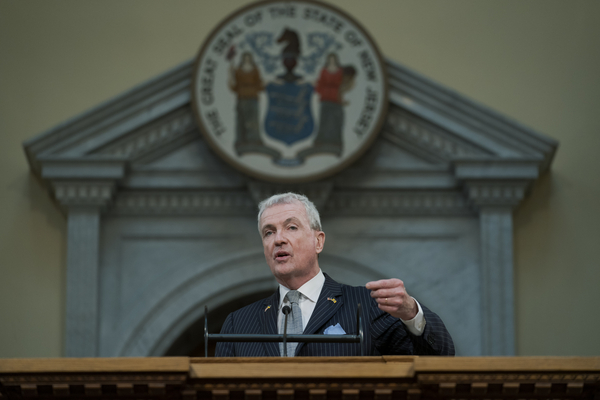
pixel 293 296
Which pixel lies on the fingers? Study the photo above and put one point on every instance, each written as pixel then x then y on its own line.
pixel 386 288
pixel 391 297
pixel 394 299
pixel 384 284
pixel 387 293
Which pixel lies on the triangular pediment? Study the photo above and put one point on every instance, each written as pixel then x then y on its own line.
pixel 195 155
pixel 433 138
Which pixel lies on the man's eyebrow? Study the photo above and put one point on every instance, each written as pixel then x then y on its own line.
pixel 287 221
pixel 268 226
pixel 292 219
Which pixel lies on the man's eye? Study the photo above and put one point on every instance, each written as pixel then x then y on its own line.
pixel 293 227
pixel 268 233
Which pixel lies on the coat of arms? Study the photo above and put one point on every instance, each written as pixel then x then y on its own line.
pixel 289 90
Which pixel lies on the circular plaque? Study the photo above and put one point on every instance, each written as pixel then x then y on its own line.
pixel 289 91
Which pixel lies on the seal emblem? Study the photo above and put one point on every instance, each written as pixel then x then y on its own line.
pixel 289 91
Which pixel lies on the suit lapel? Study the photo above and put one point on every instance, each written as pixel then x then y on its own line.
pixel 268 320
pixel 330 301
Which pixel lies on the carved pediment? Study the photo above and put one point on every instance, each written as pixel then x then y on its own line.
pixel 433 139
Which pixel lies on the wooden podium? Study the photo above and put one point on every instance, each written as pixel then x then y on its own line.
pixel 340 378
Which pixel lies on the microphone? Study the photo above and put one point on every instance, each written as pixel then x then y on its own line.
pixel 286 310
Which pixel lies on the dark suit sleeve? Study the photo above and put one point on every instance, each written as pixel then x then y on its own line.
pixel 392 337
pixel 436 339
pixel 226 349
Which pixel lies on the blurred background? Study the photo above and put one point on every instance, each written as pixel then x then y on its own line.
pixel 536 62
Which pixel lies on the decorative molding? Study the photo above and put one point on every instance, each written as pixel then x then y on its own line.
pixel 381 180
pixel 395 203
pixel 400 124
pixel 318 192
pixel 464 118
pixel 106 378
pixel 103 124
pixel 183 203
pixel 509 378
pixel 84 193
pixel 495 182
pixel 494 168
pixel 83 168
pixel 503 194
pixel 391 203
pixel 150 137
pixel 317 378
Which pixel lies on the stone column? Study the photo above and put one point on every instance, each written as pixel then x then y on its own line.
pixel 82 282
pixel 495 202
pixel 83 202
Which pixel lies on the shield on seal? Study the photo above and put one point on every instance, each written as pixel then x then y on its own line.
pixel 289 117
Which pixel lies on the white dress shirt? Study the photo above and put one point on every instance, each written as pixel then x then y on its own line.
pixel 309 294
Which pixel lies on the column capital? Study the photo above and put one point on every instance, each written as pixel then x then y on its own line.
pixel 496 182
pixel 83 182
pixel 95 194
pixel 506 194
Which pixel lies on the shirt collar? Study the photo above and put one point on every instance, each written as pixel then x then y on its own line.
pixel 310 290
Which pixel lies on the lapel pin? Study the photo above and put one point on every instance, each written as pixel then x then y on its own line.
pixel 267 308
pixel 333 300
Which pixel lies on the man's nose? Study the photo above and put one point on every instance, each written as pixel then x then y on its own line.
pixel 280 237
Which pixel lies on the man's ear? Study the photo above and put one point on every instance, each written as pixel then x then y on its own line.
pixel 320 238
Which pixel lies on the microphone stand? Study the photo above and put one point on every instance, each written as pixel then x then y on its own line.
pixel 286 311
pixel 226 337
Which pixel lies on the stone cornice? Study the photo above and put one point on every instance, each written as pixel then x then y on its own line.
pixel 496 168
pixel 501 182
pixel 423 115
pixel 349 203
pixel 464 118
pixel 151 137
pixel 114 118
pixel 404 127
pixel 397 203
pixel 83 182
pixel 94 167
pixel 184 203
pixel 318 192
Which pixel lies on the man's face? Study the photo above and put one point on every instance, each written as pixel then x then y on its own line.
pixel 291 246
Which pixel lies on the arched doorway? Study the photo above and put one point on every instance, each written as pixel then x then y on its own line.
pixel 191 341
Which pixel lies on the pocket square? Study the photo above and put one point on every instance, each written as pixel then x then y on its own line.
pixel 335 330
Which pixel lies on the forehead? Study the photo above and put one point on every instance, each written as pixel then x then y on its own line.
pixel 281 212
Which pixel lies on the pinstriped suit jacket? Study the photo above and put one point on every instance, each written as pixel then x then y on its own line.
pixel 384 334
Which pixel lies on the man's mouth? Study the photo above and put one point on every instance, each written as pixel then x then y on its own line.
pixel 282 255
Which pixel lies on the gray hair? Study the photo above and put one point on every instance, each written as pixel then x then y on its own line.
pixel 288 198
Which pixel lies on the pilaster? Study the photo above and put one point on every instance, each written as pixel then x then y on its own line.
pixel 494 187
pixel 495 202
pixel 84 189
pixel 83 202
pixel 81 339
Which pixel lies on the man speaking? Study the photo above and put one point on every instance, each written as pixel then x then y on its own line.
pixel 394 322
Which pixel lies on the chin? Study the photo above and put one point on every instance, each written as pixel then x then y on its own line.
pixel 283 271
